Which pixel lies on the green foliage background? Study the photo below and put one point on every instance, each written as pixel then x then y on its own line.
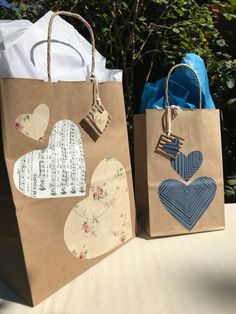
pixel 146 37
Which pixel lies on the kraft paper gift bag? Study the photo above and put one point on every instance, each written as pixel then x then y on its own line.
pixel 66 183
pixel 178 169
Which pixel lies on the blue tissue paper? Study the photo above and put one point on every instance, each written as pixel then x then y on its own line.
pixel 183 87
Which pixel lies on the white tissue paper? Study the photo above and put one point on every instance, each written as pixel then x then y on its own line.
pixel 10 31
pixel 23 52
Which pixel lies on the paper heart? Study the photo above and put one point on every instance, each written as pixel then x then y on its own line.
pixel 34 125
pixel 172 148
pixel 102 221
pixel 186 166
pixel 101 118
pixel 187 203
pixel 58 170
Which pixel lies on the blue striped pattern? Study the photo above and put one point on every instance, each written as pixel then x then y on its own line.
pixel 172 148
pixel 187 203
pixel 186 166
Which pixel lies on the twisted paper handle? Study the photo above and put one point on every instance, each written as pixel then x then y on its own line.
pixel 92 74
pixel 167 105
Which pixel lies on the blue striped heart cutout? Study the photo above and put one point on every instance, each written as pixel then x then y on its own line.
pixel 187 203
pixel 187 166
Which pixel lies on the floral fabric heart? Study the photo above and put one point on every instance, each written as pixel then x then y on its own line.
pixel 187 203
pixel 102 221
pixel 34 125
pixel 56 171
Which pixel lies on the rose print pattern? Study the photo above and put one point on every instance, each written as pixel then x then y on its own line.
pixel 99 194
pixel 102 221
pixel 19 125
pixel 85 227
pixel 120 234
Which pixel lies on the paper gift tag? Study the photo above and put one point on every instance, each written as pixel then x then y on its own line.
pixel 169 145
pixel 102 221
pixel 56 171
pixel 34 125
pixel 101 118
pixel 96 121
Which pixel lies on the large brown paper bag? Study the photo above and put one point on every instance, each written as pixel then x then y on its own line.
pixel 66 195
pixel 178 169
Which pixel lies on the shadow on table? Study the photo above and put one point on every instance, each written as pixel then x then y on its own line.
pixel 9 295
pixel 141 233
pixel 221 288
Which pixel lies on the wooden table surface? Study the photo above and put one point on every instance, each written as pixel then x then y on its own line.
pixel 193 274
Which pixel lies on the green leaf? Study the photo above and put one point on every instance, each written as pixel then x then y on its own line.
pixel 176 30
pixel 202 20
pixel 105 30
pixel 229 191
pixel 220 42
pixel 179 11
pixel 227 16
pixel 161 1
pixel 183 43
pixel 142 18
pixel 125 5
pixel 231 182
pixel 231 102
pixel 230 82
pixel 232 2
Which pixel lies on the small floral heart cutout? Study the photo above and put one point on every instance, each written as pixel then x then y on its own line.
pixel 34 125
pixel 102 221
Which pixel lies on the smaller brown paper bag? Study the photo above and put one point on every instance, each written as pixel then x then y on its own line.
pixel 178 169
